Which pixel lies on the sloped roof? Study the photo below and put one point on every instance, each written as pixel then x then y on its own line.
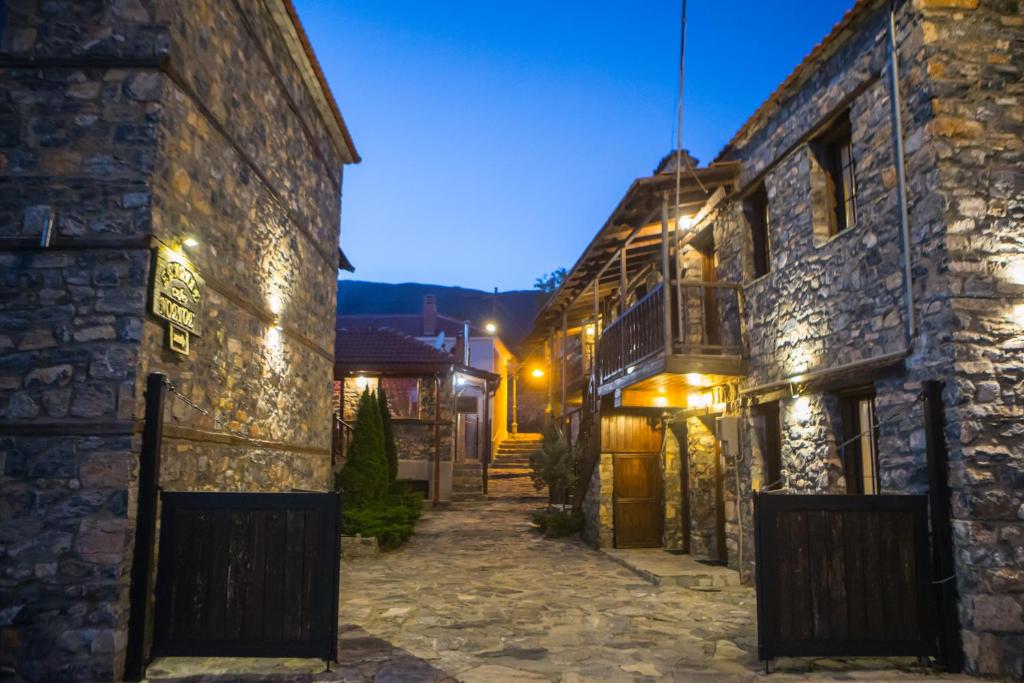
pixel 371 348
pixel 803 70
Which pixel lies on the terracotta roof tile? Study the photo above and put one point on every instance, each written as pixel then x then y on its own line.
pixel 370 347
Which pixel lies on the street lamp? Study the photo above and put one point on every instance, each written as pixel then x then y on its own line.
pixel 490 327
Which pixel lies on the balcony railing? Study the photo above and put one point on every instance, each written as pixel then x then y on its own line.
pixel 705 321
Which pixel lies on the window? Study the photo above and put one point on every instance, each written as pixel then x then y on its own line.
pixel 771 447
pixel 403 396
pixel 859 451
pixel 834 153
pixel 755 208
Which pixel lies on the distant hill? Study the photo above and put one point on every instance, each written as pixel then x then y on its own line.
pixel 514 310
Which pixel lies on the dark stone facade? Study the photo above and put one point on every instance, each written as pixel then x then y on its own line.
pixel 137 123
pixel 834 301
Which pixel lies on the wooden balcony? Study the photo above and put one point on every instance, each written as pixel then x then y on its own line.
pixel 703 336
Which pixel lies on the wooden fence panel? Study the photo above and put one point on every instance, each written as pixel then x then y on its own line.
pixel 843 575
pixel 248 574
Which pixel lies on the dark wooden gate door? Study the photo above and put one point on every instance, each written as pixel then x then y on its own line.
pixel 638 509
pixel 843 575
pixel 637 487
pixel 248 574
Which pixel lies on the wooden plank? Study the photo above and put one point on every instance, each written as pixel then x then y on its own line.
pixel 310 558
pixel 273 596
pixel 854 537
pixel 254 608
pixel 874 608
pixel 239 573
pixel 801 583
pixel 836 555
pixel 180 524
pixel 293 570
pixel 216 593
pixel 903 531
pixel 783 572
pixel 817 526
pixel 196 575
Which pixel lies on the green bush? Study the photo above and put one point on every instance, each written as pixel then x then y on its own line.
pixel 364 479
pixel 552 465
pixel 557 523
pixel 390 449
pixel 391 525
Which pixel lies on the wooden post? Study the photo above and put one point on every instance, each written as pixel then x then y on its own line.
pixel 141 591
pixel 622 280
pixel 514 379
pixel 943 566
pixel 597 328
pixel 551 372
pixel 565 344
pixel 666 275
pixel 437 440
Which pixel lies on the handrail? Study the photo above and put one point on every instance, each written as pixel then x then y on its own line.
pixel 642 300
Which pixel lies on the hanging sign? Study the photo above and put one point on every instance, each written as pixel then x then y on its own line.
pixel 177 297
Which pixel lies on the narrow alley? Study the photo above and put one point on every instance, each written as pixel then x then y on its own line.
pixel 477 596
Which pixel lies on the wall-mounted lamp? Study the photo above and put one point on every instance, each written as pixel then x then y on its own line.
pixel 362 381
pixel 190 242
pixel 684 222
pixel 490 328
pixel 590 331
pixel 802 408
pixel 537 373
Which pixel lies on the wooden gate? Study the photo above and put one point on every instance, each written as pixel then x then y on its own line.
pixel 248 574
pixel 637 486
pixel 843 575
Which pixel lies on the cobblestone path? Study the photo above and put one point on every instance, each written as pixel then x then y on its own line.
pixel 477 596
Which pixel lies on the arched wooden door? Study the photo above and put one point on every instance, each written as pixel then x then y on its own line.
pixel 638 502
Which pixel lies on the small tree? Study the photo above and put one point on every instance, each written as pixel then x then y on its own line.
pixel 390 449
pixel 364 479
pixel 552 464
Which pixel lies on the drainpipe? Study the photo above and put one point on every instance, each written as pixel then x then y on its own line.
pixel 901 174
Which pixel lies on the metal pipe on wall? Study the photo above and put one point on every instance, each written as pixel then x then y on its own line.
pixel 901 174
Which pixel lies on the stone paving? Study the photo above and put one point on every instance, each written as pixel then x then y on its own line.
pixel 478 596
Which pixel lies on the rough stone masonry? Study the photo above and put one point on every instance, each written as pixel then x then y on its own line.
pixel 126 125
pixel 830 301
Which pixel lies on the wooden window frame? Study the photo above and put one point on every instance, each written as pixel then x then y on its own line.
pixel 771 448
pixel 758 216
pixel 833 150
pixel 851 453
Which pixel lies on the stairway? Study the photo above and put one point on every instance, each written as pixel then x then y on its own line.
pixel 467 481
pixel 509 473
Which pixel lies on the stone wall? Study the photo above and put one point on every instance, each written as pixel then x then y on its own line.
pixel 973 55
pixel 702 491
pixel 828 302
pixel 671 468
pixel 149 122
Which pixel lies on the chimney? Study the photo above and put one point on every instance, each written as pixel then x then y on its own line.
pixel 429 315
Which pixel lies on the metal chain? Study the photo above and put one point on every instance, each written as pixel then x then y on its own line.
pixel 220 425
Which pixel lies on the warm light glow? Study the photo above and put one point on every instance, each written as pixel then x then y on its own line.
pixel 275 304
pixel 590 330
pixel 1015 272
pixel 362 382
pixel 274 337
pixel 695 379
pixel 630 369
pixel 490 328
pixel 802 408
pixel 537 372
pixel 696 400
pixel 191 242
pixel 1018 314
pixel 661 401
pixel 685 222
pixel 459 380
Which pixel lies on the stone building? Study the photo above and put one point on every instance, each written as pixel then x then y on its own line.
pixel 440 408
pixel 195 139
pixel 793 255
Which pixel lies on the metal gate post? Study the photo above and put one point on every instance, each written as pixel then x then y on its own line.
pixel 141 590
pixel 943 567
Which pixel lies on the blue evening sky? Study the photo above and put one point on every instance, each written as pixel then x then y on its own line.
pixel 498 135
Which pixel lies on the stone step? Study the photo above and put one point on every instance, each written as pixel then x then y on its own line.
pixel 510 465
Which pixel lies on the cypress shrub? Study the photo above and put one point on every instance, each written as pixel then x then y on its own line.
pixel 390 449
pixel 364 479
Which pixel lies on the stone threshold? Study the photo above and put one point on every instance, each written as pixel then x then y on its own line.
pixel 662 568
